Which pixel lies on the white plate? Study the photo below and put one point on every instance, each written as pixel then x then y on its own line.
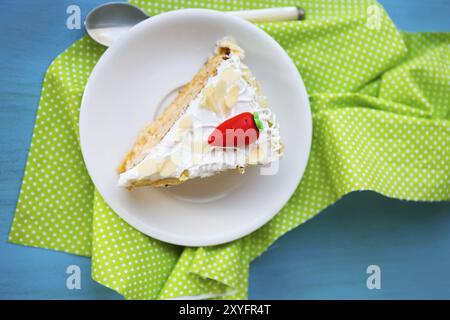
pixel 129 86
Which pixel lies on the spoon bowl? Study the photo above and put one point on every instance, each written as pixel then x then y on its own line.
pixel 107 22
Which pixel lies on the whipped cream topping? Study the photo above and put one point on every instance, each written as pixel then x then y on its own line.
pixel 184 151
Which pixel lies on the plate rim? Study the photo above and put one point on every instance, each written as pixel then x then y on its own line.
pixel 163 235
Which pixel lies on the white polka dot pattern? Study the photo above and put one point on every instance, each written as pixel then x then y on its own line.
pixel 381 114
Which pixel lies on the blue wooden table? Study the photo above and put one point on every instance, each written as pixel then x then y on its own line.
pixel 325 258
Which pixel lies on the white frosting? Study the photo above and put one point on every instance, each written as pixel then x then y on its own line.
pixel 188 148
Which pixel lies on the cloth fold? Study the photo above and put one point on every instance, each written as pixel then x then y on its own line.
pixel 381 122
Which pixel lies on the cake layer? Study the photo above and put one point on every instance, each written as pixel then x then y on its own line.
pixel 175 147
pixel 154 133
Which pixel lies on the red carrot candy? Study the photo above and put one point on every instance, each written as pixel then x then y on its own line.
pixel 239 130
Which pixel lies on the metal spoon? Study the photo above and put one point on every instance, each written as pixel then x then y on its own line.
pixel 106 22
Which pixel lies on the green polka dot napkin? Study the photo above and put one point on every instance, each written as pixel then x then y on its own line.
pixel 381 113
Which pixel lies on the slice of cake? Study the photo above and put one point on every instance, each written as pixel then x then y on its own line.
pixel 219 121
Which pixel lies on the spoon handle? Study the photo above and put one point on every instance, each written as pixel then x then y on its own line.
pixel 271 14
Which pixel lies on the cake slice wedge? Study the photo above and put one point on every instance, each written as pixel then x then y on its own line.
pixel 219 121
